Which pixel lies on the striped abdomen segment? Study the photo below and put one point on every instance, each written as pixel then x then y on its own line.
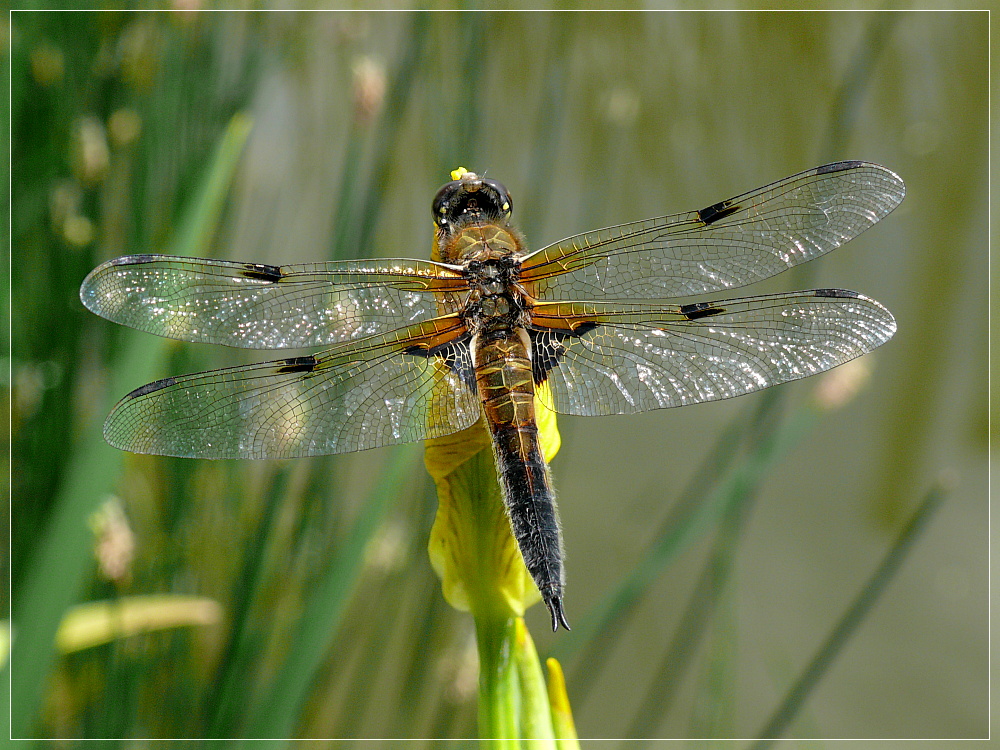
pixel 504 379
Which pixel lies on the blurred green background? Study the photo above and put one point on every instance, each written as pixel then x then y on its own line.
pixel 320 615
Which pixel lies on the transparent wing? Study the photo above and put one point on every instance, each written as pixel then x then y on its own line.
pixel 623 359
pixel 365 394
pixel 729 244
pixel 257 306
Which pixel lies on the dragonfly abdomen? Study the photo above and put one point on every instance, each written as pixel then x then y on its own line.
pixel 507 391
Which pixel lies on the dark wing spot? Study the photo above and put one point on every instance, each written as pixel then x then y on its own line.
pixel 838 166
pixel 701 310
pixel 261 272
pixel 150 387
pixel 547 348
pixel 845 293
pixel 456 356
pixel 298 364
pixel 717 211
pixel 583 328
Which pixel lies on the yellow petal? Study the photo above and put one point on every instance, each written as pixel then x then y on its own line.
pixel 562 715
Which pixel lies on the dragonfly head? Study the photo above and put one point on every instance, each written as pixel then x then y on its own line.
pixel 470 198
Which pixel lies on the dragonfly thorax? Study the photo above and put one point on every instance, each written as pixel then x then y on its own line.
pixel 479 241
pixel 495 303
pixel 494 275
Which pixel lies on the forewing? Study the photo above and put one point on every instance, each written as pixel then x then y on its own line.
pixel 256 306
pixel 729 244
pixel 623 359
pixel 378 391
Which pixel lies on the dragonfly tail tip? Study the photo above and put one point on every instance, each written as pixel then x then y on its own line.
pixel 558 616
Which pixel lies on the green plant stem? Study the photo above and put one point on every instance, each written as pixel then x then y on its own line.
pixel 498 684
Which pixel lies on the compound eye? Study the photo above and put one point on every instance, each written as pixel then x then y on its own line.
pixel 440 207
pixel 504 202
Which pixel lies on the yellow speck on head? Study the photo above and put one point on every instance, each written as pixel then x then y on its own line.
pixel 456 174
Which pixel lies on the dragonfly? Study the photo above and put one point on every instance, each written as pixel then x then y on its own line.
pixel 492 331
